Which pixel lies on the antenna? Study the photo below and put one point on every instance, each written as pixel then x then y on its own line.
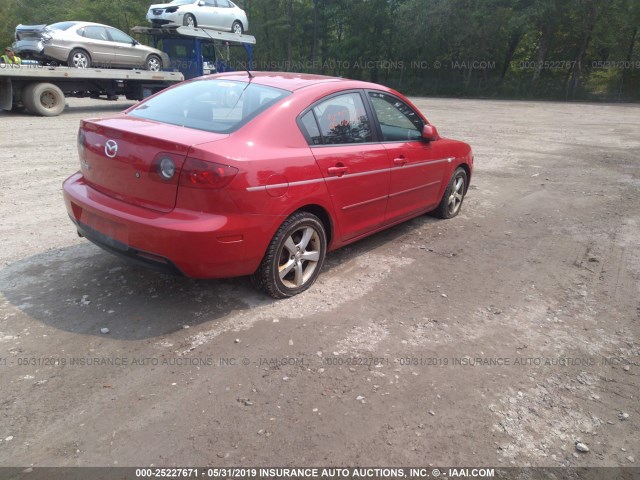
pixel 251 75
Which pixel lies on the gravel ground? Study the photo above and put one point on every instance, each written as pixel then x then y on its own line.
pixel 503 337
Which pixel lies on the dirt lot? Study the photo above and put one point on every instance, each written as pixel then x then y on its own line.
pixel 499 338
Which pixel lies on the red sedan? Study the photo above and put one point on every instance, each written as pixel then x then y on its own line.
pixel 260 174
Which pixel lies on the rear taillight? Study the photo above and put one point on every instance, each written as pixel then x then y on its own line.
pixel 164 168
pixel 81 146
pixel 199 174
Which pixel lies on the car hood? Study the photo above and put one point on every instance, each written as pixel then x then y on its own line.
pixel 164 5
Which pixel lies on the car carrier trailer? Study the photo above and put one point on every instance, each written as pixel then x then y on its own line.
pixel 197 51
pixel 42 89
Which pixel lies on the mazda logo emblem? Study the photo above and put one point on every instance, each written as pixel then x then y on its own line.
pixel 111 149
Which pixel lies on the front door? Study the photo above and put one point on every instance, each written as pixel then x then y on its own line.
pixel 417 166
pixel 356 170
pixel 207 14
pixel 126 51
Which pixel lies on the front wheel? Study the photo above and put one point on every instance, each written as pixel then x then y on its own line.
pixel 294 257
pixel 189 21
pixel 453 196
pixel 237 28
pixel 153 63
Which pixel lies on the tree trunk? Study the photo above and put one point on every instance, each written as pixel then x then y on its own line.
pixel 576 68
pixel 314 36
pixel 511 49
pixel 543 49
pixel 290 36
pixel 625 71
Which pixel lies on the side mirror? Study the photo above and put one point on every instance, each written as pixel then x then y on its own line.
pixel 201 3
pixel 135 42
pixel 430 133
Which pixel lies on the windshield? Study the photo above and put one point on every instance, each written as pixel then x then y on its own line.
pixel 181 2
pixel 219 106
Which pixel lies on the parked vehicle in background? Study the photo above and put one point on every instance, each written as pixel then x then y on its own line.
pixel 219 14
pixel 85 45
pixel 260 174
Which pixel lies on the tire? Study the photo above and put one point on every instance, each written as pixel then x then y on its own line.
pixel 236 27
pixel 79 58
pixel 44 99
pixel 453 197
pixel 28 97
pixel 153 63
pixel 294 257
pixel 189 21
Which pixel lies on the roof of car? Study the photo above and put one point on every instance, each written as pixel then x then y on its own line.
pixel 289 80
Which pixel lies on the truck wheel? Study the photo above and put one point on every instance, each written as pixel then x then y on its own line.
pixel 44 99
pixel 237 27
pixel 153 63
pixel 78 58
pixel 189 21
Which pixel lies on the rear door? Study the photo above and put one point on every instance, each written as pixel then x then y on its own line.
pixel 355 168
pixel 417 166
pixel 97 42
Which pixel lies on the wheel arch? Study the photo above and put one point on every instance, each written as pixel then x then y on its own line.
pixel 324 216
pixel 467 170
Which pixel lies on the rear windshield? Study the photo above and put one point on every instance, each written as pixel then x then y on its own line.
pixel 61 25
pixel 219 106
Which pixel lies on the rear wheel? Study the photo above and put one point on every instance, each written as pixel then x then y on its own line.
pixel 453 196
pixel 237 27
pixel 44 99
pixel 294 258
pixel 153 63
pixel 189 21
pixel 78 58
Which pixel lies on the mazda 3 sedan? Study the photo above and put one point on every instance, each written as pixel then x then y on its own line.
pixel 260 174
pixel 219 14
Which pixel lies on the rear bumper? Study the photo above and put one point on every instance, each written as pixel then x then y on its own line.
pixel 195 244
pixel 28 47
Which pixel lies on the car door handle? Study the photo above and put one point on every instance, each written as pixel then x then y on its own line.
pixel 400 161
pixel 339 171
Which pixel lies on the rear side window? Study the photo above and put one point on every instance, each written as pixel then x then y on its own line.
pixel 310 128
pixel 95 33
pixel 219 106
pixel 342 119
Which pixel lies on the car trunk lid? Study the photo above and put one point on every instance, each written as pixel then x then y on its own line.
pixel 121 157
pixel 27 32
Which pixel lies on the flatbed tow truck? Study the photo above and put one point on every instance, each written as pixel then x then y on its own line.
pixel 42 89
